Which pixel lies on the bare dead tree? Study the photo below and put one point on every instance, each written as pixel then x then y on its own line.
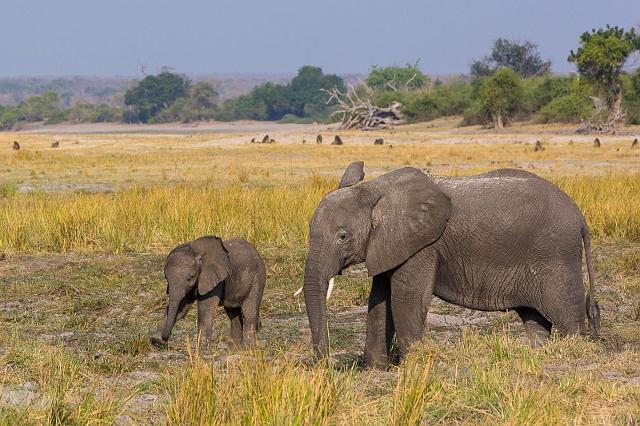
pixel 359 112
pixel 603 120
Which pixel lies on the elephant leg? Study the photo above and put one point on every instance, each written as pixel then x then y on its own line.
pixel 207 306
pixel 563 300
pixel 380 329
pixel 251 313
pixel 185 304
pixel 235 316
pixel 412 287
pixel 538 328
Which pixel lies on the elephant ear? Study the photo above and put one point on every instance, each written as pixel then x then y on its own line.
pixel 411 213
pixel 215 265
pixel 353 174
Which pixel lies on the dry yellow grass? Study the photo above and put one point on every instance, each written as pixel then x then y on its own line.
pixel 112 161
pixel 157 218
pixel 480 379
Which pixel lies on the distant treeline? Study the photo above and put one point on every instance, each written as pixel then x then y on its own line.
pixel 512 83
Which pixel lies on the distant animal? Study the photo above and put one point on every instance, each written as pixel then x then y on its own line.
pixel 634 144
pixel 16 146
pixel 378 141
pixel 336 140
pixel 304 141
pixel 55 144
pixel 266 139
pixel 216 273
pixel 272 140
pixel 319 139
pixel 596 143
pixel 538 146
pixel 253 140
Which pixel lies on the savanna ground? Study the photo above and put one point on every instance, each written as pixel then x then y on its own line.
pixel 85 227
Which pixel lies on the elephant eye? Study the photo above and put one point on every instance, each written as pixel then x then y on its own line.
pixel 342 236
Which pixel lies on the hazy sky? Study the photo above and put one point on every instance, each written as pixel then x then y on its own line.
pixel 112 37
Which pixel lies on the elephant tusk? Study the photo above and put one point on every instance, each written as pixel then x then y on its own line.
pixel 330 289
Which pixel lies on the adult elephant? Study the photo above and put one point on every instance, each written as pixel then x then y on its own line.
pixel 502 240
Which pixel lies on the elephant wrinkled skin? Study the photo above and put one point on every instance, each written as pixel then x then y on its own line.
pixel 215 273
pixel 502 240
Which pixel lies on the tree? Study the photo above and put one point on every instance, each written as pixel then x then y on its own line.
pixel 307 90
pixel 302 97
pixel 204 95
pixel 38 108
pixel 153 94
pixel 500 96
pixel 522 57
pixel 600 59
pixel 396 78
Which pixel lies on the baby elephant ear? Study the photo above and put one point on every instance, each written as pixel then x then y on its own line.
pixel 353 174
pixel 215 266
pixel 411 213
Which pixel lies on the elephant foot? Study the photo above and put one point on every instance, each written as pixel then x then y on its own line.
pixel 158 341
pixel 380 362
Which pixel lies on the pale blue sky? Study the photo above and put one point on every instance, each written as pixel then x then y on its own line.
pixel 112 37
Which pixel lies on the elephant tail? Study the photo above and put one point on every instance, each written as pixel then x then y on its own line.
pixel 593 309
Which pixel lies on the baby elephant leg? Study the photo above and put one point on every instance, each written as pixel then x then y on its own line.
pixel 250 323
pixel 207 306
pixel 235 316
pixel 251 312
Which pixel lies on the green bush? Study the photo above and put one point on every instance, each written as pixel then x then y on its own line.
pixel 631 102
pixel 539 91
pixel 571 108
pixel 475 114
pixel 56 117
pixel 395 78
pixel 501 96
pixel 452 97
pixel 82 112
pixel 421 107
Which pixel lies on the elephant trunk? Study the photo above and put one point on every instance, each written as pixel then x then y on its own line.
pixel 315 295
pixel 160 337
pixel 170 320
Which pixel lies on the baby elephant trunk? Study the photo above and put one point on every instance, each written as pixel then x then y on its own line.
pixel 161 336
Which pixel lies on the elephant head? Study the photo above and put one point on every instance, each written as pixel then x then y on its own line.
pixel 382 222
pixel 191 269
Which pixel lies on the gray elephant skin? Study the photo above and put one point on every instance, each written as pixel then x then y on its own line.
pixel 214 273
pixel 502 240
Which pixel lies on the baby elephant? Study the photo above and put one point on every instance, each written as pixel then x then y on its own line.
pixel 215 273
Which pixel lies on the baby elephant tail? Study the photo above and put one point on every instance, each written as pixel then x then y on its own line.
pixel 593 309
